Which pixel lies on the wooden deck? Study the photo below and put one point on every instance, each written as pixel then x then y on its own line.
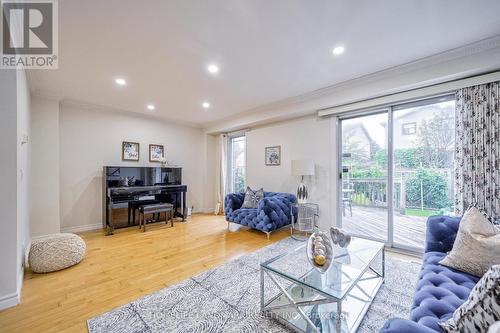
pixel 372 222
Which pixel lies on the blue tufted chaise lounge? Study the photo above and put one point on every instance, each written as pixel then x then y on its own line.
pixel 440 290
pixel 272 213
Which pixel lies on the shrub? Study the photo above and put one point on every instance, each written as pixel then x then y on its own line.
pixel 435 189
pixel 367 172
pixel 412 158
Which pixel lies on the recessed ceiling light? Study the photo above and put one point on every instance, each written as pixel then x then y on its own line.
pixel 213 69
pixel 338 50
pixel 150 107
pixel 205 105
pixel 120 81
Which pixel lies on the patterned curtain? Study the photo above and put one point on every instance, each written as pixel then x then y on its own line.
pixel 477 174
pixel 221 173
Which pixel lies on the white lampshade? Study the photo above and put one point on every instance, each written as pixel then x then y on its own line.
pixel 303 167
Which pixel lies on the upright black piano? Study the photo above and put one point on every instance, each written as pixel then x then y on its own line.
pixel 131 185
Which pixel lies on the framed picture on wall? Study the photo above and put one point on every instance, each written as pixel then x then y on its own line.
pixel 130 151
pixel 273 155
pixel 156 153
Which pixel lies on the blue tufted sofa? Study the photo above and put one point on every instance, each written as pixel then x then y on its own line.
pixel 273 212
pixel 440 290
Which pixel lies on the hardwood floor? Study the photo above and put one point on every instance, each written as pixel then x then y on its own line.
pixel 123 267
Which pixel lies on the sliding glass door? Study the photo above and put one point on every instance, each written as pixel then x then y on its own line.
pixel 423 182
pixel 404 153
pixel 364 189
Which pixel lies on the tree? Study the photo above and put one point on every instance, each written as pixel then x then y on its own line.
pixel 432 185
pixel 436 138
pixel 239 180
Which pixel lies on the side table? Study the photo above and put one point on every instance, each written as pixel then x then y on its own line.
pixel 304 219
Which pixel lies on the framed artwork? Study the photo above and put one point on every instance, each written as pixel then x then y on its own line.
pixel 156 153
pixel 273 155
pixel 130 151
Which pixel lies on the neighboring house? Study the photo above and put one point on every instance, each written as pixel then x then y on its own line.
pixel 408 123
pixel 407 128
pixel 358 143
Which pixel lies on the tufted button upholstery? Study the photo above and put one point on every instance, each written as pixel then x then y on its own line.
pixel 441 233
pixel 272 213
pixel 440 290
pixel 232 202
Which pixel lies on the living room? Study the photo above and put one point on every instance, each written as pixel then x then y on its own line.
pixel 250 166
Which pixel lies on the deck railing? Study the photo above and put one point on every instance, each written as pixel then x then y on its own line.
pixel 372 192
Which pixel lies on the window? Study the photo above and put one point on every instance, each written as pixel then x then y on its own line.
pixel 237 163
pixel 409 128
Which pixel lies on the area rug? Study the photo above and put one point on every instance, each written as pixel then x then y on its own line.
pixel 227 299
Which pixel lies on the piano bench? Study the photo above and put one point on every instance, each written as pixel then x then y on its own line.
pixel 134 205
pixel 158 208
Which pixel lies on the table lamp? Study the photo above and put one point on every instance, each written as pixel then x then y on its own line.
pixel 302 168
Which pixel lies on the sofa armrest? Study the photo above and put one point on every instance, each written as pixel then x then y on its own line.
pixel 441 233
pixel 232 202
pixel 275 210
pixel 398 325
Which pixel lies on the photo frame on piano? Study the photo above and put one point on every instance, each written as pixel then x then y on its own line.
pixel 130 151
pixel 156 153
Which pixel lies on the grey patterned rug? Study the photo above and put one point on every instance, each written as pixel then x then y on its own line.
pixel 226 299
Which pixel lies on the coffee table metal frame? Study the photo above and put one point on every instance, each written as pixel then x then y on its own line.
pixel 267 309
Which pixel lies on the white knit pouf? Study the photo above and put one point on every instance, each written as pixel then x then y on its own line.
pixel 55 252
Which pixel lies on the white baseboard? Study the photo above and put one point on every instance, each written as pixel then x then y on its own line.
pixel 13 299
pixel 9 301
pixel 80 228
pixel 98 226
pixel 207 210
pixel 20 280
pixel 204 211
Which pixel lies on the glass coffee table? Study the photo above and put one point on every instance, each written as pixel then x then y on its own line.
pixel 335 301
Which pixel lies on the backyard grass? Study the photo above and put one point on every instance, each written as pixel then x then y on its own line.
pixel 419 212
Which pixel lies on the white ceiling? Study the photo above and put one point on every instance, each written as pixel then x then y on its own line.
pixel 267 50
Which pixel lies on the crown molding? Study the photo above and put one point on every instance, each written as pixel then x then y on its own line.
pixel 469 50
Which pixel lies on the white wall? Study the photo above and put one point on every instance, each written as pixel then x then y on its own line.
pixel 44 168
pixel 8 190
pixel 14 223
pixel 23 162
pixel 91 139
pixel 303 138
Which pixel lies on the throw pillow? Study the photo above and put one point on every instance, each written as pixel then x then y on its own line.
pixel 252 198
pixel 482 308
pixel 477 245
pixel 495 328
